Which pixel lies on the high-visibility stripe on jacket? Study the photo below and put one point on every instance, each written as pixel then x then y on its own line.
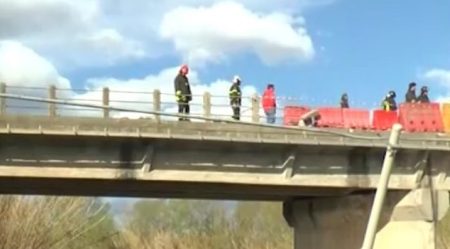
pixel 182 89
pixel 235 94
pixel 389 105
pixel 386 106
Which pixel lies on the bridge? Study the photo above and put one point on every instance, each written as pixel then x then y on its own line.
pixel 326 178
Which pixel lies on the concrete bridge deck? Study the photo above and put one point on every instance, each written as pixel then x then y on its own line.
pixel 109 157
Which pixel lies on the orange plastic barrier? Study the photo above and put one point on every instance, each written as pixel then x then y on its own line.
pixel 292 114
pixel 421 117
pixel 384 120
pixel 446 116
pixel 356 118
pixel 330 117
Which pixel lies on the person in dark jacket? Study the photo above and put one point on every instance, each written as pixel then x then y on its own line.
pixel 410 96
pixel 344 101
pixel 423 97
pixel 389 103
pixel 235 97
pixel 183 92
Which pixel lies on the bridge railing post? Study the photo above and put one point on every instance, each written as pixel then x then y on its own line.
pixel 105 102
pixel 52 96
pixel 255 108
pixel 2 100
pixel 207 105
pixel 157 104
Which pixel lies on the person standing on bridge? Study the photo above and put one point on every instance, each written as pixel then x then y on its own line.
pixel 183 92
pixel 344 101
pixel 410 96
pixel 389 103
pixel 423 97
pixel 235 97
pixel 269 103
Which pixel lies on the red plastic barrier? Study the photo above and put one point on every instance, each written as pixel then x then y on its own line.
pixel 292 114
pixel 330 117
pixel 421 117
pixel 356 118
pixel 384 120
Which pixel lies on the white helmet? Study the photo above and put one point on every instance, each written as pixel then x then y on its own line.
pixel 236 79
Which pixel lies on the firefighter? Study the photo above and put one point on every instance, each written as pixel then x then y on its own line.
pixel 269 103
pixel 344 101
pixel 423 97
pixel 410 96
pixel 183 92
pixel 389 103
pixel 235 97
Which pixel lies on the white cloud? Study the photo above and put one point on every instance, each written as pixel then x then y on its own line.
pixel 28 17
pixel 442 77
pixel 113 45
pixel 212 33
pixel 71 32
pixel 21 66
pixel 94 32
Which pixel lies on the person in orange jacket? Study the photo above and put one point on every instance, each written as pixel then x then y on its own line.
pixel 269 103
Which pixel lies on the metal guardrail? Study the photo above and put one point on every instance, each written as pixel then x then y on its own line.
pixel 206 105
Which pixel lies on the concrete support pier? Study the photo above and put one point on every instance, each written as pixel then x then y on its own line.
pixel 340 222
pixel 411 225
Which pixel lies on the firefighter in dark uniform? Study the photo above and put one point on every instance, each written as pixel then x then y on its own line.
pixel 183 92
pixel 389 103
pixel 344 101
pixel 235 97
pixel 423 97
pixel 410 96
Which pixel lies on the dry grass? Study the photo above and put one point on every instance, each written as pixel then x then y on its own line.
pixel 203 225
pixel 81 223
pixel 46 222
pixel 168 240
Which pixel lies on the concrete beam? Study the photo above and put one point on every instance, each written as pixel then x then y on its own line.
pixel 266 163
pixel 157 189
pixel 115 150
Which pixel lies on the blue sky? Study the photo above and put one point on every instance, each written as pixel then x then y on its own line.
pixel 377 45
pixel 361 47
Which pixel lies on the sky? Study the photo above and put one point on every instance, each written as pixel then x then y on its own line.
pixel 312 50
